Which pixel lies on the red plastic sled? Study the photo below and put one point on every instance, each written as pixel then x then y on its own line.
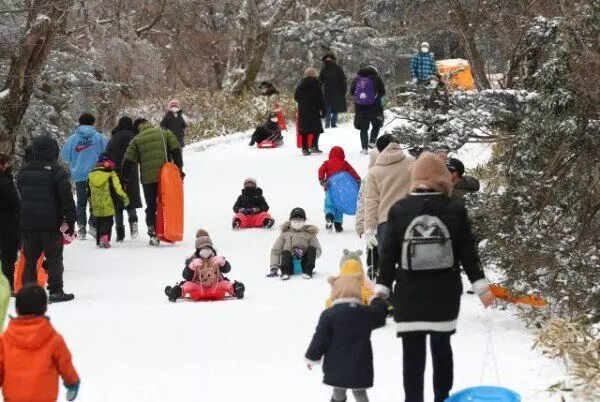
pixel 267 144
pixel 169 211
pixel 42 276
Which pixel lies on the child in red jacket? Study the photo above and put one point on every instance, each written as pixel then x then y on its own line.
pixel 336 163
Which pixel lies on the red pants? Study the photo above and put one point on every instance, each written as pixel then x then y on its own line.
pixel 252 221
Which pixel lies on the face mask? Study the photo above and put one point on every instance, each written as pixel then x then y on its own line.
pixel 174 109
pixel 274 120
pixel 425 49
pixel 205 253
pixel 297 224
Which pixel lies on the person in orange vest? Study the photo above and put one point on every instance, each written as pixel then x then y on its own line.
pixel 33 355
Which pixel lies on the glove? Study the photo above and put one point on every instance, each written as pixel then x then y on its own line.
pixel 414 80
pixel 487 298
pixel 255 210
pixel 325 184
pixel 72 391
pixel 371 238
pixel 68 228
pixel 297 253
pixel 195 263
pixel 274 271
pixel 218 260
pixel 244 211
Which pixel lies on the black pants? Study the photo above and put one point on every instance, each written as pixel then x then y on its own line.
pixel 315 143
pixel 50 243
pixel 9 246
pixel 308 261
pixel 151 197
pixel 414 348
pixel 103 227
pixel 364 124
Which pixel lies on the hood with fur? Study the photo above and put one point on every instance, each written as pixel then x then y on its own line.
pixel 345 287
pixel 393 153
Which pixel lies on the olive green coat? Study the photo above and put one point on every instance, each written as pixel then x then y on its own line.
pixel 104 191
pixel 148 149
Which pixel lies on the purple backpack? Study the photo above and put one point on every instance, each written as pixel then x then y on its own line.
pixel 364 95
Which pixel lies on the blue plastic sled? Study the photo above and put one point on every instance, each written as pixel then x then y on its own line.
pixel 343 190
pixel 297 266
pixel 485 394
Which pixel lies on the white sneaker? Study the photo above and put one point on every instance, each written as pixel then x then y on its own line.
pixel 92 232
pixel 306 276
pixel 81 234
pixel 285 277
pixel 364 152
pixel 371 145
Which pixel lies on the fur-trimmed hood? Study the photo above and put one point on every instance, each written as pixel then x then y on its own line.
pixel 310 229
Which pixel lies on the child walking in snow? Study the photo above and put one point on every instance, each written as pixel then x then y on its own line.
pixel 32 354
pixel 251 208
pixel 336 163
pixel 203 274
pixel 297 242
pixel 105 194
pixel 343 337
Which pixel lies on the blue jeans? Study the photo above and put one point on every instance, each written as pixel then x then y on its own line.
pixel 338 216
pixel 331 117
pixel 131 212
pixel 82 201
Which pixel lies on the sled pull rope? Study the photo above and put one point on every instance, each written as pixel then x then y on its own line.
pixel 489 348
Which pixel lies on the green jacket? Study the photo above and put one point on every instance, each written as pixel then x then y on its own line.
pixel 148 149
pixel 104 189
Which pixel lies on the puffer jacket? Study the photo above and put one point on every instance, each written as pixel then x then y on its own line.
pixel 464 186
pixel 336 163
pixel 389 181
pixel 32 356
pixel 150 148
pixel 290 239
pixel 81 151
pixel 105 191
pixel 251 198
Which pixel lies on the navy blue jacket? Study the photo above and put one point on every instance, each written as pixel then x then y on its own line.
pixel 343 335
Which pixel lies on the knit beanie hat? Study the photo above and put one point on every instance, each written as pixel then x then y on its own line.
pixel 250 180
pixel 203 239
pixel 429 171
pixel 31 300
pixel 345 286
pixel 298 213
pixel 105 161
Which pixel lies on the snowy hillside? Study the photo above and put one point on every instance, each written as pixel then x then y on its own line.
pixel 130 344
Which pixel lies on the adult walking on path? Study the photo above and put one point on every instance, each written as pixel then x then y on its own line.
pixel 335 87
pixel 423 66
pixel 151 148
pixel 311 109
pixel 122 135
pixel 10 205
pixel 427 237
pixel 175 122
pixel 387 182
pixel 46 203
pixel 368 91
pixel 81 151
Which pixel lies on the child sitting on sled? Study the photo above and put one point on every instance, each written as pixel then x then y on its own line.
pixel 269 131
pixel 336 163
pixel 297 242
pixel 343 338
pixel 203 274
pixel 251 208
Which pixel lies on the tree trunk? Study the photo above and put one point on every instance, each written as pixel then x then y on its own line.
pixel 259 50
pixel 26 64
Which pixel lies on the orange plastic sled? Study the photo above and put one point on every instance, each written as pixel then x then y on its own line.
pixel 459 72
pixel 42 276
pixel 501 292
pixel 169 211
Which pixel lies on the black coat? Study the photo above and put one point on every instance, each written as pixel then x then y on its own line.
pixel 10 203
pixel 335 87
pixel 176 123
pixel 116 148
pixel 311 106
pixel 343 336
pixel 427 296
pixel 45 188
pixel 251 198
pixel 369 112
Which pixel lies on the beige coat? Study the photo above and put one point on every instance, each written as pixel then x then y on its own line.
pixel 290 239
pixel 359 221
pixel 389 181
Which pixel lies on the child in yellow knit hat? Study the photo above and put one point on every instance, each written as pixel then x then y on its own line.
pixel 351 265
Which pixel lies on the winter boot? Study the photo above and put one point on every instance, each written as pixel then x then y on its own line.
pixel 268 223
pixel 371 145
pixel 316 150
pixel 173 293
pixel 236 224
pixel 285 277
pixel 273 273
pixel 305 152
pixel 59 297
pixel 329 222
pixel 133 229
pixel 239 289
pixel 338 227
pixel 92 231
pixel 306 276
pixel 120 233
pixel 154 240
pixel 104 241
pixel 81 233
pixel 364 152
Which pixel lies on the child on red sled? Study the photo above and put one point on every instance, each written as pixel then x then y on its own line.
pixel 336 163
pixel 269 131
pixel 251 208
pixel 203 274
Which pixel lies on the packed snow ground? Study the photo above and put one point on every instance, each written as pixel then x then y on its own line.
pixel 130 344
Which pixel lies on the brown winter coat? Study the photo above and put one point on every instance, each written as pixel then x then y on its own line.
pixel 290 239
pixel 389 181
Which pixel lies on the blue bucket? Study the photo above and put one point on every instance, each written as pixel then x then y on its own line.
pixel 485 394
pixel 297 266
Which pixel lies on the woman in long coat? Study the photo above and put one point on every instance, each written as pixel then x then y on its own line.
pixel 311 109
pixel 122 134
pixel 335 87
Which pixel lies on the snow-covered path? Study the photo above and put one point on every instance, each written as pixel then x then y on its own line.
pixel 130 344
